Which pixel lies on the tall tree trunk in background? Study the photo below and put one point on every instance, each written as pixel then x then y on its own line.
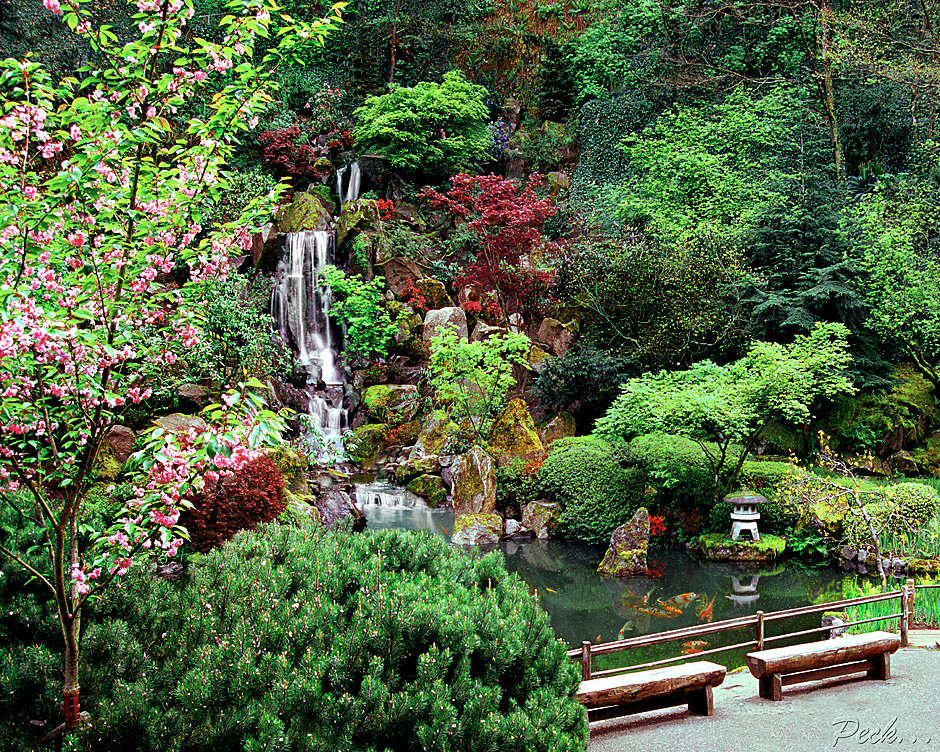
pixel 392 55
pixel 824 85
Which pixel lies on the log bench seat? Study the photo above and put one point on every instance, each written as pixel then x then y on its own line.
pixel 849 654
pixel 688 684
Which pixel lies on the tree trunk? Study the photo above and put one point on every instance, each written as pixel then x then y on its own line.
pixel 825 88
pixel 71 709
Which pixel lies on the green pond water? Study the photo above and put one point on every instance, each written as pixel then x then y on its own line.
pixel 684 591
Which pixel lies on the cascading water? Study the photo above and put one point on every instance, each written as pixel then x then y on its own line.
pixel 353 182
pixel 300 305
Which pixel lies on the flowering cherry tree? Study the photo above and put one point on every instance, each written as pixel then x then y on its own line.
pixel 103 184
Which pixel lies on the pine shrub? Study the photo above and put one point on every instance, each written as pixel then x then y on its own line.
pixel 299 639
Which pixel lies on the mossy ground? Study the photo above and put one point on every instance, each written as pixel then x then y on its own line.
pixel 718 547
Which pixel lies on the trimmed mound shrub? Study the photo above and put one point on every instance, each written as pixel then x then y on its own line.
pixel 299 639
pixel 597 492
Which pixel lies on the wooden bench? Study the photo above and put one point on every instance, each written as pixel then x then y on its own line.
pixel 849 654
pixel 688 684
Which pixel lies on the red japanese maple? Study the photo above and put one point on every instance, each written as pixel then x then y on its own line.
pixel 507 220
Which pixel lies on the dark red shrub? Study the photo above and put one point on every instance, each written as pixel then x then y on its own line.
pixel 237 502
pixel 285 155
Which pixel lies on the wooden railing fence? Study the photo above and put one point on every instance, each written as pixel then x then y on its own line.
pixel 756 621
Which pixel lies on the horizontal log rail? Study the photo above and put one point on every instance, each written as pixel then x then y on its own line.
pixel 588 650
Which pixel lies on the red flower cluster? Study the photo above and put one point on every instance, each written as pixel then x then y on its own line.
pixel 386 209
pixel 657 526
pixel 413 297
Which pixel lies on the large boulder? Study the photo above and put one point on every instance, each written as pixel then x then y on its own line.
pixel 180 423
pixel 513 432
pixel 400 273
pixel 362 214
pixel 433 438
pixel 483 331
pixel 540 518
pixel 305 212
pixel 120 440
pixel 473 478
pixel 626 556
pixel 369 441
pixel 557 336
pixel 434 293
pixel 430 488
pixel 477 529
pixel 391 403
pixel 562 426
pixel 435 321
pixel 336 506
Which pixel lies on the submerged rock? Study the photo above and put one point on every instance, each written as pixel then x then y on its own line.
pixel 473 479
pixel 626 556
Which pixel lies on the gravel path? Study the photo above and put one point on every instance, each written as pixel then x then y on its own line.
pixel 843 714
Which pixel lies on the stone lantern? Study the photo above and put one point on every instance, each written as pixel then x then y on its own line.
pixel 744 514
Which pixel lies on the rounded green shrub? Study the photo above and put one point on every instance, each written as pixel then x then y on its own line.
pixel 597 492
pixel 299 639
pixel 676 467
pixel 915 501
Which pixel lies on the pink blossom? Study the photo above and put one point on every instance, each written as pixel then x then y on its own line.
pixel 53 5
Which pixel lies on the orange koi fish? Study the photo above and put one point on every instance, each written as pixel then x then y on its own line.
pixel 691 651
pixel 706 612
pixel 664 605
pixel 694 644
pixel 682 600
pixel 655 612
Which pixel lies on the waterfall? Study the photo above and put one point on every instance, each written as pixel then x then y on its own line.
pixel 300 305
pixel 352 184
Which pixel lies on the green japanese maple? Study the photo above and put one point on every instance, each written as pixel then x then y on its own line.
pixel 725 409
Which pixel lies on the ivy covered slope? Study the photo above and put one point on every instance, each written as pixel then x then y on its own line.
pixel 298 639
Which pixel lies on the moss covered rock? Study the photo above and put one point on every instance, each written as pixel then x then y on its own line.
pixel 106 467
pixel 369 441
pixel 477 529
pixel 391 403
pixel 430 488
pixel 305 212
pixel 434 292
pixel 473 478
pixel 718 547
pixel 292 465
pixel 513 432
pixel 541 518
pixel 561 426
pixel 299 509
pixel 626 555
pixel 363 215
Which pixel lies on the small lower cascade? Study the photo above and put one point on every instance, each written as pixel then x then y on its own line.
pixel 353 178
pixel 300 306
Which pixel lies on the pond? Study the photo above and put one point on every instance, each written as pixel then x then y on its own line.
pixel 682 590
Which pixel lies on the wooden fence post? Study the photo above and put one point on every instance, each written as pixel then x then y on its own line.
pixel 760 630
pixel 904 589
pixel 585 660
pixel 909 605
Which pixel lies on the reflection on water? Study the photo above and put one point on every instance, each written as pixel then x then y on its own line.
pixel 681 591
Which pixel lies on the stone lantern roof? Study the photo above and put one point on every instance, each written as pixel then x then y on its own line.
pixel 745 497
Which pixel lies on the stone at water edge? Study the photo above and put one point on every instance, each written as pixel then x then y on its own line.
pixel 626 556
pixel 335 506
pixel 540 518
pixel 473 479
pixel 477 529
pixel 430 488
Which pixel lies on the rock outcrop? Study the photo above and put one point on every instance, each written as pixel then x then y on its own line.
pixel 473 477
pixel 626 556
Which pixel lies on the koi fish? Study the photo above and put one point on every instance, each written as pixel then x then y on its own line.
pixel 664 605
pixel 682 600
pixel 552 591
pixel 628 626
pixel 445 530
pixel 691 651
pixel 597 639
pixel 694 644
pixel 654 612
pixel 705 612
